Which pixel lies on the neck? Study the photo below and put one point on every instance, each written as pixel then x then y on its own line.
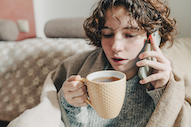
pixel 131 73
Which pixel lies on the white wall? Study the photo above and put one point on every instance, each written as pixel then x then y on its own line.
pixel 51 9
pixel 181 10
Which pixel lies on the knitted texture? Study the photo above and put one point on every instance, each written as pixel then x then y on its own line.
pixel 136 111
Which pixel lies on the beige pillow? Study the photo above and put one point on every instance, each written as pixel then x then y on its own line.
pixel 180 53
pixel 8 30
pixel 65 28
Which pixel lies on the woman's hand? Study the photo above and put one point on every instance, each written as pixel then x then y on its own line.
pixel 161 67
pixel 75 91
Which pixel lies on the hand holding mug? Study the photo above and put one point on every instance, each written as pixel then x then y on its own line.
pixel 106 90
pixel 75 91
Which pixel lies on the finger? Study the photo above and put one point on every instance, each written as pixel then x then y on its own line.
pixel 79 92
pixel 69 95
pixel 72 86
pixel 154 44
pixel 81 104
pixel 154 64
pixel 74 78
pixel 75 85
pixel 151 78
pixel 160 57
pixel 157 80
pixel 79 99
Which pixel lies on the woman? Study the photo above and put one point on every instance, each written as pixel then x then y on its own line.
pixel 120 28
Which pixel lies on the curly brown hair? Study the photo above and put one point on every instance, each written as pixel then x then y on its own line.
pixel 149 15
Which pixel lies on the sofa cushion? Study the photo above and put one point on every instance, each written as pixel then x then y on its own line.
pixel 24 67
pixel 8 30
pixel 180 53
pixel 65 28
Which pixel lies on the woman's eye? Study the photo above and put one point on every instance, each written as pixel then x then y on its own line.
pixel 129 35
pixel 108 35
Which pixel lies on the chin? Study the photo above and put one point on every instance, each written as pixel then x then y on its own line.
pixel 119 68
pixel 126 69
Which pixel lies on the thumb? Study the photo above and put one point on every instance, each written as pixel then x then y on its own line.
pixel 74 78
pixel 77 77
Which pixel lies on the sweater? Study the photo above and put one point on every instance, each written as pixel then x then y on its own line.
pixel 136 110
pixel 172 110
pixel 138 105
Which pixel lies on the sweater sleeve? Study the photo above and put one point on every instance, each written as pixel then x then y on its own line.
pixel 77 116
pixel 66 105
pixel 155 94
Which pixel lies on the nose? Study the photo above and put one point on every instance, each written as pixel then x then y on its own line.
pixel 117 45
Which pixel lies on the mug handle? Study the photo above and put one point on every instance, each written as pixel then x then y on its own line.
pixel 87 100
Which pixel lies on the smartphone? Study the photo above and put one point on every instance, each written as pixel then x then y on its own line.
pixel 145 71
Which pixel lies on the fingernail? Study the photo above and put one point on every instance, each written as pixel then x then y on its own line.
pixel 141 56
pixel 141 81
pixel 138 63
pixel 149 37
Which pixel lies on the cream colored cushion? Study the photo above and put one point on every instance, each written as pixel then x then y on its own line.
pixel 180 53
pixel 8 30
pixel 65 28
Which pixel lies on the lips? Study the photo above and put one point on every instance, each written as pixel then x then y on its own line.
pixel 118 60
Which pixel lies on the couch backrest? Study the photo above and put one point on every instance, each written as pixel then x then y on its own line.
pixel 180 53
pixel 65 28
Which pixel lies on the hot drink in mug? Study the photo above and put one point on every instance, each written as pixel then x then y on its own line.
pixel 106 90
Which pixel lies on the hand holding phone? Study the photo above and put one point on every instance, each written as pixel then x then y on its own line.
pixel 146 70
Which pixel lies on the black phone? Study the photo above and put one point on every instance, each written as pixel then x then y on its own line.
pixel 145 71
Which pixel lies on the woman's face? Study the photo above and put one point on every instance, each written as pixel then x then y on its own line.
pixel 121 41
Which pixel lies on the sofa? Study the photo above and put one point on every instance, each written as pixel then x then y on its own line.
pixel 25 64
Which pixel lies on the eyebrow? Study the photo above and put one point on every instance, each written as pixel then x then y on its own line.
pixel 128 27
